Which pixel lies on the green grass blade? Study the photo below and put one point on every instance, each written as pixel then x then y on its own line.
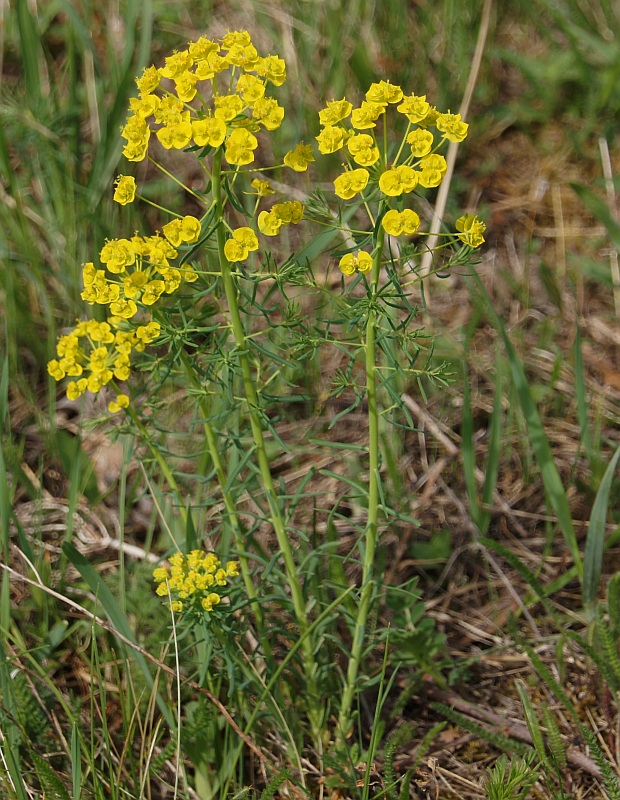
pixel 580 395
pixel 469 454
pixel 593 556
pixel 494 451
pixel 532 723
pixel 115 615
pixel 552 481
pixel 76 761
pixel 31 49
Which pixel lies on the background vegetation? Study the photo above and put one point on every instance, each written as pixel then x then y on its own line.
pixel 508 639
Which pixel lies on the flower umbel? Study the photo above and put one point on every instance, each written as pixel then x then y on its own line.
pixel 195 582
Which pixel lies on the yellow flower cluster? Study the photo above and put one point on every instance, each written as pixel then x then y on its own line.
pixel 194 581
pixel 141 269
pixel 352 131
pixel 136 273
pixel 165 95
pixel 95 354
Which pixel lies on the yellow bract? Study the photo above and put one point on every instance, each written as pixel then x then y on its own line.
pixel 351 182
pixel 242 243
pixel 354 262
pixel 470 230
pixel 125 191
pixel 299 158
pixel 398 222
pixel 394 182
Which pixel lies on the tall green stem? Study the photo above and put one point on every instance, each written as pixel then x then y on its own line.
pixel 252 399
pixel 370 536
pixel 229 503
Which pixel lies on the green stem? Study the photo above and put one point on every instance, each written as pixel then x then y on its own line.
pixel 229 503
pixel 253 403
pixel 166 471
pixel 370 536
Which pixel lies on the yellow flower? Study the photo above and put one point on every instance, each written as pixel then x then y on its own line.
pixel 452 127
pixel 185 85
pixel 240 147
pixel 336 111
pixel 242 243
pixel 145 107
pixel 192 580
pixel 384 93
pixel 209 131
pixel 353 262
pixel 394 182
pixel 414 107
pixel 362 148
pixel 117 254
pixel 148 333
pixel 176 64
pixel 123 308
pixel 250 88
pixel 291 211
pixel 182 231
pixel 433 167
pixel 366 115
pixel 331 139
pixel 228 106
pixel 133 284
pixel 122 401
pixel 267 111
pixel 176 135
pixel 210 600
pixel 149 81
pixel 351 182
pixel 273 68
pixel 153 291
pixel 75 389
pixel 470 230
pixel 421 142
pixel 169 110
pixel 299 158
pixel 55 370
pixel 125 191
pixel 263 188
pixel 269 223
pixel 398 222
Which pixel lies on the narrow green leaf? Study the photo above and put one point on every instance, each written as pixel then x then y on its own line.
pixel 593 556
pixel 358 487
pixel 495 449
pixel 532 723
pixel 31 51
pixel 613 603
pixel 468 452
pixel 580 394
pixel 115 615
pixel 552 481
pixel 76 762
